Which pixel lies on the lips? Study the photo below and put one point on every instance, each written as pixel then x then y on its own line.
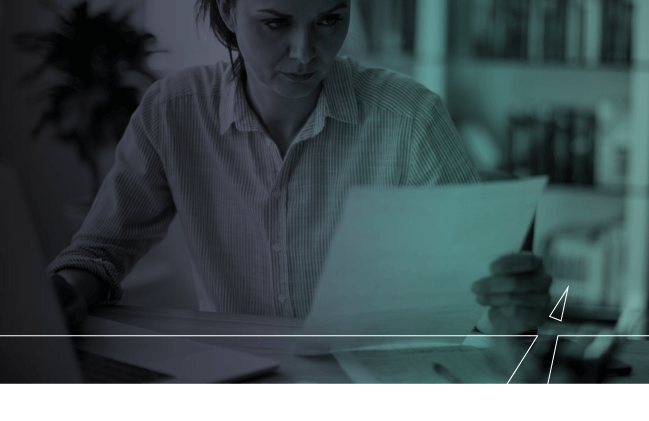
pixel 300 77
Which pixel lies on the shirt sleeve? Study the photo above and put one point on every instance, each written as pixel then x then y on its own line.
pixel 132 210
pixel 437 155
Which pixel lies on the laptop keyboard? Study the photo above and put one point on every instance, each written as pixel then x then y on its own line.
pixel 98 369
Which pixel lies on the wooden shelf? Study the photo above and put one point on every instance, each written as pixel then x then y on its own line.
pixel 544 65
pixel 402 63
pixel 573 189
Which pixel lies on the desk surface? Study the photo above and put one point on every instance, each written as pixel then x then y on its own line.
pixel 292 369
pixel 323 369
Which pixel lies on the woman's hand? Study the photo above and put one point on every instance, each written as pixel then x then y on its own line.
pixel 77 290
pixel 517 292
pixel 73 303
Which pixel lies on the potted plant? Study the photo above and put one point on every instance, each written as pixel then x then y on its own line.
pixel 99 67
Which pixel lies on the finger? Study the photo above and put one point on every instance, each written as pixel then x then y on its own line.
pixel 522 262
pixel 63 294
pixel 513 320
pixel 534 301
pixel 64 291
pixel 538 281
pixel 568 349
pixel 602 346
pixel 587 330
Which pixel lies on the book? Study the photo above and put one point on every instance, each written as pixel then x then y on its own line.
pixel 577 257
pixel 574 31
pixel 621 45
pixel 592 32
pixel 536 29
pixel 565 262
pixel 521 144
pixel 561 146
pixel 559 142
pixel 587 32
pixel 542 129
pixel 516 28
pixel 612 140
pixel 617 31
pixel 554 21
pixel 500 28
pixel 482 27
pixel 583 148
pixel 609 29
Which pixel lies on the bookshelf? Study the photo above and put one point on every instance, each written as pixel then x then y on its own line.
pixel 532 71
pixel 496 69
pixel 596 64
pixel 383 32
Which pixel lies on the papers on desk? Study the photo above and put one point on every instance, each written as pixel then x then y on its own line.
pixel 402 261
pixel 415 364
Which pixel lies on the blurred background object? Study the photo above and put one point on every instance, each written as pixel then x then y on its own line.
pixel 382 32
pixel 546 87
pixel 591 358
pixel 188 44
pixel 93 74
pixel 590 260
pixel 103 50
pixel 483 149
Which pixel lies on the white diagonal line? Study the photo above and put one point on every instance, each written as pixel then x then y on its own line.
pixel 521 362
pixel 553 354
pixel 559 302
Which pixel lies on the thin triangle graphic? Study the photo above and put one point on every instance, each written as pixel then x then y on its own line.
pixel 565 294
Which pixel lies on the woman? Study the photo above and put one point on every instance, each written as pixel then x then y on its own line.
pixel 256 156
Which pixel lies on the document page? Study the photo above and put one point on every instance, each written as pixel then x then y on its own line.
pixel 402 261
pixel 459 364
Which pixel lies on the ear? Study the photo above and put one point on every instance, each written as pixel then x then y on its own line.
pixel 226 9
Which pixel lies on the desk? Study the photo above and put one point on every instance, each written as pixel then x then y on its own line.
pixel 292 369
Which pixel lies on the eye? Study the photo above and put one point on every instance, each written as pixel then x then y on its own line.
pixel 276 23
pixel 330 20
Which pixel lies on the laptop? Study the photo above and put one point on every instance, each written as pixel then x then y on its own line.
pixel 28 306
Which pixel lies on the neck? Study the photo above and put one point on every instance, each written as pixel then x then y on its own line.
pixel 282 117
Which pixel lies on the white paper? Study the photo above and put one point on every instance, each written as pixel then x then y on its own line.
pixel 383 365
pixel 402 261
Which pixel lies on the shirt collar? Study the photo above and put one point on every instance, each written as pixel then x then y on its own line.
pixel 338 92
pixel 233 106
pixel 337 100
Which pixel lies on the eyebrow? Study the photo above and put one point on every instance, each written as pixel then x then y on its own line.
pixel 283 15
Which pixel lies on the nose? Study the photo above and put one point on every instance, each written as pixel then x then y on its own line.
pixel 302 48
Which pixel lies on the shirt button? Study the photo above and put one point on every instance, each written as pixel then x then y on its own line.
pixel 277 247
pixel 268 142
pixel 281 298
pixel 277 194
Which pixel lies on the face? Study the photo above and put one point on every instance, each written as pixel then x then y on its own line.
pixel 288 46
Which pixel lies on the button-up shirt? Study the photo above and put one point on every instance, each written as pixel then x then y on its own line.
pixel 259 225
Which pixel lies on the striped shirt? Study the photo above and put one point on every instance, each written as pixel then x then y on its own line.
pixel 259 225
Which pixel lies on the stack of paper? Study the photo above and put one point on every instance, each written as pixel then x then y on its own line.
pixel 402 261
pixel 417 364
